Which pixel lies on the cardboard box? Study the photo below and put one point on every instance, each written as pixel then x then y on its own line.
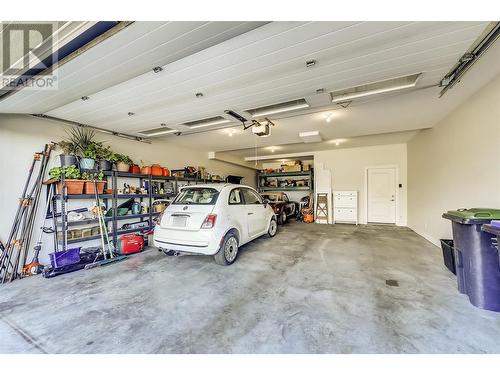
pixel 292 168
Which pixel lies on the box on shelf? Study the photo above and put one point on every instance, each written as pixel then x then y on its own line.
pixel 292 168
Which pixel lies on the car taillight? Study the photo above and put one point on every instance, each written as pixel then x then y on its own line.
pixel 209 221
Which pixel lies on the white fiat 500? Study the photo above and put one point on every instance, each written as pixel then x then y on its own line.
pixel 214 219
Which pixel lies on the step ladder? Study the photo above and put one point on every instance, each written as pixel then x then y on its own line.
pixel 322 208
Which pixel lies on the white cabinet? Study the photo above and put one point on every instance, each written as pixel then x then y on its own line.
pixel 345 207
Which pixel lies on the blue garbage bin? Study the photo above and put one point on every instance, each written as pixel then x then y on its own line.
pixel 476 257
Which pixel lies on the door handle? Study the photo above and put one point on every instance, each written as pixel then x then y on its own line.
pixel 250 213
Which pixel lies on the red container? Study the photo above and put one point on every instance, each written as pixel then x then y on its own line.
pixel 156 170
pixel 134 169
pixel 166 172
pixel 129 244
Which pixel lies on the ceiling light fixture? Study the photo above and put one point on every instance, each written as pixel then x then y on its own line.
pixel 210 123
pixel 280 108
pixel 381 87
pixel 157 69
pixel 162 132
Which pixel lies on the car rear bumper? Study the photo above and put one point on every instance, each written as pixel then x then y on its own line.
pixel 200 242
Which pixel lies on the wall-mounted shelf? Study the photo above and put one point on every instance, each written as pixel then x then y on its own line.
pixel 306 176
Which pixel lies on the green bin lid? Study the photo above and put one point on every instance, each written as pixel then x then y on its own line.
pixel 473 214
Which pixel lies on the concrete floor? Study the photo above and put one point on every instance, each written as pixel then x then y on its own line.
pixel 311 289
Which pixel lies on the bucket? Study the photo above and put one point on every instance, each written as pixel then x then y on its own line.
pixel 105 165
pixel 67 160
pixel 87 163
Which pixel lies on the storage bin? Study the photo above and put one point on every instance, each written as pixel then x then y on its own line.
pixel 65 258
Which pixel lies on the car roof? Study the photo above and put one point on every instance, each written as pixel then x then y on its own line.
pixel 217 186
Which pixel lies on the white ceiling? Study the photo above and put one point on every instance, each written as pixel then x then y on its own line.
pixel 243 65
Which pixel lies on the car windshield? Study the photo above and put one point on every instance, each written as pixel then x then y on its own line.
pixel 272 197
pixel 197 195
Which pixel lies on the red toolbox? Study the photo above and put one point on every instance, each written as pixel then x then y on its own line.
pixel 129 244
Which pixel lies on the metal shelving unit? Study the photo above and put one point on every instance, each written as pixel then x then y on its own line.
pixel 112 180
pixel 308 175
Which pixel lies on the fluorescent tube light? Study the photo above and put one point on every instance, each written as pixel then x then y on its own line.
pixel 161 132
pixel 377 88
pixel 210 123
pixel 280 110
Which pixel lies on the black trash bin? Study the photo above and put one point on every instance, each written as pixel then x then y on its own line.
pixel 476 258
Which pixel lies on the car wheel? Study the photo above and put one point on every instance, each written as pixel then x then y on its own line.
pixel 228 252
pixel 282 218
pixel 273 228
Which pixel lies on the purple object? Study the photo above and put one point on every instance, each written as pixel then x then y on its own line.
pixel 65 258
pixel 495 223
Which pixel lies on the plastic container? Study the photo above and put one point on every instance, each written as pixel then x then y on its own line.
pixel 476 258
pixel 448 255
pixel 65 258
pixel 494 230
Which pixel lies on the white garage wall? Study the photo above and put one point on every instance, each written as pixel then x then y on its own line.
pixel 455 164
pixel 21 136
pixel 348 165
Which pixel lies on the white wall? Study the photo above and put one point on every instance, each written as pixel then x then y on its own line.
pixel 348 165
pixel 21 136
pixel 455 164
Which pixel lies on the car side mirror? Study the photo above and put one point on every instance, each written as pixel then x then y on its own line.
pixel 266 202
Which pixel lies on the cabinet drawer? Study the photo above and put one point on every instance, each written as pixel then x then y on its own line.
pixel 345 201
pixel 345 214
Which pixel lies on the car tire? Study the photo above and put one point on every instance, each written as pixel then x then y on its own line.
pixel 282 218
pixel 228 251
pixel 273 228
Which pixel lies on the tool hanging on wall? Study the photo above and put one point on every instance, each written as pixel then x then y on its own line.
pixel 14 256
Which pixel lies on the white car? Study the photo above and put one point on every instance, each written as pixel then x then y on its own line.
pixel 214 219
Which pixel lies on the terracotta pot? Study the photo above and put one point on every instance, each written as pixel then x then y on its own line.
pixel 156 170
pixel 72 186
pixel 89 187
pixel 166 172
pixel 134 169
pixel 122 167
pixel 146 170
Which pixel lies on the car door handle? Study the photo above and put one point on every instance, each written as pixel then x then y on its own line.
pixel 250 213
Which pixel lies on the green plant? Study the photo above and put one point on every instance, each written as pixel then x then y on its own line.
pixel 91 150
pixel 103 152
pixel 69 171
pixel 98 176
pixel 67 147
pixel 81 137
pixel 120 158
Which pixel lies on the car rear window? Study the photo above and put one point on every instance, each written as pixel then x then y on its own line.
pixel 195 195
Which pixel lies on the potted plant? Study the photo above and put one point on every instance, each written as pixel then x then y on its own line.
pixel 71 179
pixel 83 139
pixel 123 162
pixel 89 178
pixel 69 150
pixel 104 156
pixel 87 162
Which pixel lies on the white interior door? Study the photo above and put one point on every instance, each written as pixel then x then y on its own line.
pixel 381 195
